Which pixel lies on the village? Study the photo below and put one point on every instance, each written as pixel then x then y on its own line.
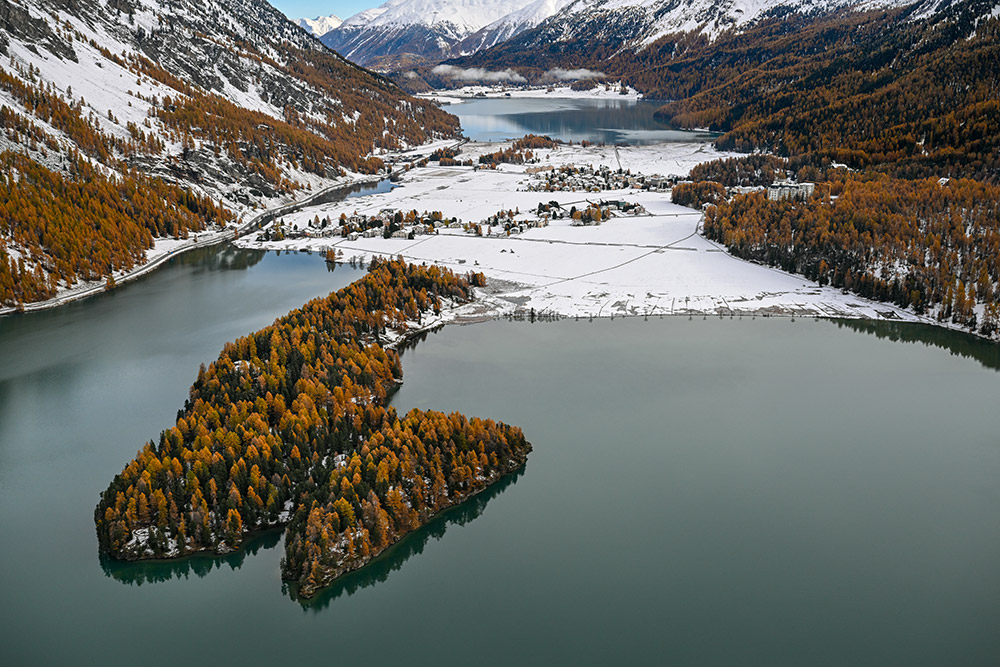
pixel 393 223
pixel 578 231
pixel 571 178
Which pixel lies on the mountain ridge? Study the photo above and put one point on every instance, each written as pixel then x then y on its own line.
pixel 320 25
pixel 401 32
pixel 434 29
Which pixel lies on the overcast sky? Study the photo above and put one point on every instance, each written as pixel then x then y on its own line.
pixel 297 9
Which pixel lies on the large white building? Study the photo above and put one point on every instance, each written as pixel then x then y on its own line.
pixel 790 190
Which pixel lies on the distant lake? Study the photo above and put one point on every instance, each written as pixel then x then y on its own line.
pixel 601 120
pixel 701 492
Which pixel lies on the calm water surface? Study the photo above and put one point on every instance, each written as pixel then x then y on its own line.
pixel 606 120
pixel 704 492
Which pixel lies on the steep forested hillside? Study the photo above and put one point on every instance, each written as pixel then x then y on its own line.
pixel 916 98
pixel 89 225
pixel 225 99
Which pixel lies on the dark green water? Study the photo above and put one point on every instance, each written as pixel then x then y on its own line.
pixel 706 492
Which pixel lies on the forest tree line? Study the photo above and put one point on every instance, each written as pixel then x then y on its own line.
pixel 520 151
pixel 932 245
pixel 83 225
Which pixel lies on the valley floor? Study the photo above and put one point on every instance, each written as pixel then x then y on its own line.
pixel 652 264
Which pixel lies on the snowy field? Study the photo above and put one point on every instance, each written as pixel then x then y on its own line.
pixel 673 158
pixel 650 264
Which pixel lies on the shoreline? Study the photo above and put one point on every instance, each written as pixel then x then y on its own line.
pixel 85 291
pixel 259 220
pixel 331 578
pixel 485 309
pixel 543 316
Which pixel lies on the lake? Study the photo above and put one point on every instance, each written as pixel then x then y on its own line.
pixel 703 491
pixel 600 120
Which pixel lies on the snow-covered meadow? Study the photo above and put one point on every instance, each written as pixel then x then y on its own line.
pixel 652 264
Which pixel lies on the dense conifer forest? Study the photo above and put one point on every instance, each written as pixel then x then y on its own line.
pixel 932 245
pixel 914 100
pixel 83 225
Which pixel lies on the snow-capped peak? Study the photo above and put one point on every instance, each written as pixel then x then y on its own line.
pixel 512 24
pixel 535 13
pixel 465 16
pixel 364 18
pixel 320 25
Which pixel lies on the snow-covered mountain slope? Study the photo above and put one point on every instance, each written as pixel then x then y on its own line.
pixel 463 16
pixel 220 62
pixel 320 25
pixel 429 29
pixel 225 99
pixel 635 23
pixel 512 24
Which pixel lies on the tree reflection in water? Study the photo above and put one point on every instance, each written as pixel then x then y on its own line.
pixel 959 343
pixel 201 565
pixel 413 544
pixel 137 573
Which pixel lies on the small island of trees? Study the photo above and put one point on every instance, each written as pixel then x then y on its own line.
pixel 291 425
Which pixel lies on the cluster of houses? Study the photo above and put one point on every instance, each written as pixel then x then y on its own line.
pixel 505 223
pixel 589 179
pixel 388 223
pixel 594 214
pixel 391 223
pixel 622 206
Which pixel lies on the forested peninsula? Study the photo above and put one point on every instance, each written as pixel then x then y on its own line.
pixel 930 244
pixel 291 425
